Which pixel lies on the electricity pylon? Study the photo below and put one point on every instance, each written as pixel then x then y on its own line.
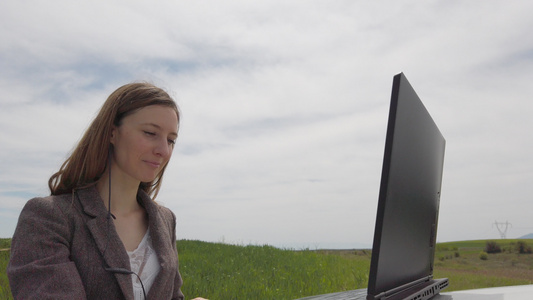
pixel 502 228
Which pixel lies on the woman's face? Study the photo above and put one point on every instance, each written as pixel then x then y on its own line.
pixel 143 143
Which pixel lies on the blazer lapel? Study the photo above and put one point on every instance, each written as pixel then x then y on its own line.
pixel 161 242
pixel 106 238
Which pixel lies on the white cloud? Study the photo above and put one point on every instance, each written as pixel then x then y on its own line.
pixel 284 105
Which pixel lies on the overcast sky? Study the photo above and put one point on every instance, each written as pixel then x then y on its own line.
pixel 284 104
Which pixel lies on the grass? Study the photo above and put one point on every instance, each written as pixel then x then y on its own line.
pixel 222 271
pixel 5 292
pixel 460 262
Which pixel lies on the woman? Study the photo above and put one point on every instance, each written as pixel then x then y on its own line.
pixel 100 235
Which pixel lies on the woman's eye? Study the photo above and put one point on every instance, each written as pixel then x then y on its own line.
pixel 150 133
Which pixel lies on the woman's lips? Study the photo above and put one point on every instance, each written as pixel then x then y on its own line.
pixel 153 164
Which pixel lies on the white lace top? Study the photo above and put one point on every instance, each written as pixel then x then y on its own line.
pixel 144 262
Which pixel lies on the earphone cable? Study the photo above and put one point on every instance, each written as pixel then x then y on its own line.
pixel 109 215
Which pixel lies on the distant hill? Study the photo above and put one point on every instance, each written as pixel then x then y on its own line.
pixel 527 236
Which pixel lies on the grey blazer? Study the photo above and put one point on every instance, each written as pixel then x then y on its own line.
pixel 56 251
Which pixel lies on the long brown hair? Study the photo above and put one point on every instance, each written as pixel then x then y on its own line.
pixel 88 161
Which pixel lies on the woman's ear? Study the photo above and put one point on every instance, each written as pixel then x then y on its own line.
pixel 113 135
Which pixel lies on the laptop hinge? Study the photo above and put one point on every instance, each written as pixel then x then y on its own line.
pixel 402 287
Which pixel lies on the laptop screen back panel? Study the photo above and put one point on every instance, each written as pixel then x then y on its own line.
pixel 409 197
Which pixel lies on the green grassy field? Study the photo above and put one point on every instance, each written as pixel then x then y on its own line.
pixel 5 292
pixel 222 271
pixel 461 263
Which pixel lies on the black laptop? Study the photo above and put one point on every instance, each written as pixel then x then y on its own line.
pixel 408 206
